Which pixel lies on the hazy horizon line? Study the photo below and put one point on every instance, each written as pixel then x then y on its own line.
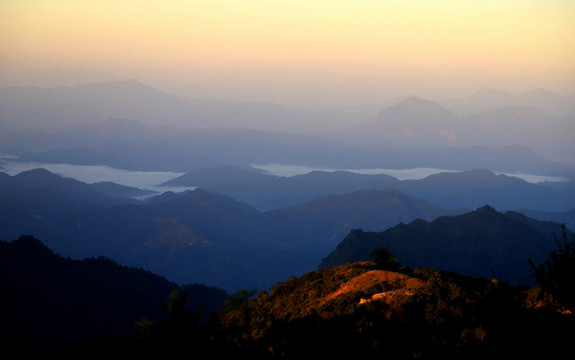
pixel 15 83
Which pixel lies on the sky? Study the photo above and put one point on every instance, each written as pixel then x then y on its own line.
pixel 314 53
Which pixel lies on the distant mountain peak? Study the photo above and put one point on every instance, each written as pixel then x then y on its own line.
pixel 486 92
pixel 123 122
pixel 31 244
pixel 131 82
pixel 416 101
pixel 486 209
pixel 542 94
pixel 134 81
pixel 38 173
pixel 414 108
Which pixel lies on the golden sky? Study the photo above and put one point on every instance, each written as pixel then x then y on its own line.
pixel 299 51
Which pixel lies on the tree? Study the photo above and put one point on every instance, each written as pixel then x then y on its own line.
pixel 557 274
pixel 238 308
pixel 384 258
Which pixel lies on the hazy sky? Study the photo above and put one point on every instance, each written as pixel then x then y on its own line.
pixel 302 52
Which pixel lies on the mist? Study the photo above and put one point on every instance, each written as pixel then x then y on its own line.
pixel 90 174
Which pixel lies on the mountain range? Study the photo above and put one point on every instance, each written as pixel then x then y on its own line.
pixel 243 227
pixel 482 243
pixel 46 119
pixel 417 122
pixel 466 189
pixel 29 106
pixel 133 145
pixel 488 99
pixel 461 236
pixel 203 236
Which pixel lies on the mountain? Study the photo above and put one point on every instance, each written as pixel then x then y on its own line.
pixel 119 143
pixel 525 126
pixel 308 230
pixel 29 107
pixel 128 234
pixel 325 220
pixel 483 99
pixel 196 237
pixel 22 106
pixel 50 302
pixel 365 206
pixel 40 177
pixel 271 192
pixel 506 159
pixel 135 145
pixel 212 215
pixel 539 120
pixel 474 188
pixel 40 193
pixel 201 236
pixel 81 125
pixel 213 238
pixel 359 310
pixel 548 102
pixel 416 120
pixel 563 217
pixel 481 243
pixel 191 237
pixel 509 118
pixel 215 176
pixel 465 189
pixel 112 189
pixel 486 99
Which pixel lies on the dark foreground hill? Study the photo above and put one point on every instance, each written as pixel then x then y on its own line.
pixel 362 311
pixel 483 243
pixel 49 302
pixel 357 310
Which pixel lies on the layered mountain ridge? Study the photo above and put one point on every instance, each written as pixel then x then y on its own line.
pixel 202 236
pixel 482 243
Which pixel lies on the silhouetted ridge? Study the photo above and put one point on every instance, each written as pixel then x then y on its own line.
pixel 476 243
pixel 28 244
pixel 36 177
pixel 49 302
